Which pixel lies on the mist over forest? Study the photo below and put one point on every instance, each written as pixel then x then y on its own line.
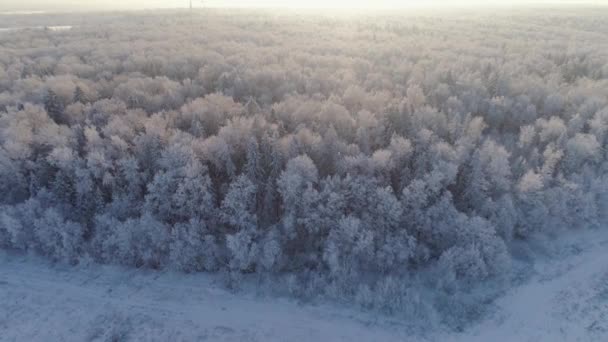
pixel 8 6
pixel 396 163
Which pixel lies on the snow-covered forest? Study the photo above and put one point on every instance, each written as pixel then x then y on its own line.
pixel 389 161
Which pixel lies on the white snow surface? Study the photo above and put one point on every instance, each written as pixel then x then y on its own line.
pixel 563 297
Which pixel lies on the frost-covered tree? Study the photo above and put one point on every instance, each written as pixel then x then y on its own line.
pixel 192 247
pixel 58 238
pixel 54 107
pixel 238 212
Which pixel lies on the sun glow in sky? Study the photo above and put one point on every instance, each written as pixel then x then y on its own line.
pixel 6 5
pixel 386 4
pixel 330 3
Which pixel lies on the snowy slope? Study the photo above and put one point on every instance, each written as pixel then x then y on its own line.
pixel 565 299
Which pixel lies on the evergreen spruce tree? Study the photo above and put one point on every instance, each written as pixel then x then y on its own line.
pixel 80 96
pixel 54 107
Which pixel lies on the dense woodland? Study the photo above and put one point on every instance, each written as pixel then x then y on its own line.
pixel 389 160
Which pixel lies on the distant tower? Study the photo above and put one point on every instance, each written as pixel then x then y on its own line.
pixel 191 5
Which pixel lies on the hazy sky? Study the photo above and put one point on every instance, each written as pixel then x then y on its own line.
pixel 10 5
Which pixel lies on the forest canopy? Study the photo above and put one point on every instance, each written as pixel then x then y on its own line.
pixel 389 160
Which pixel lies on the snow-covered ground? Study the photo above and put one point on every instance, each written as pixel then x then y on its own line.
pixel 565 298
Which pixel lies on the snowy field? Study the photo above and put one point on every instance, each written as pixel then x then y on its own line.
pixel 565 298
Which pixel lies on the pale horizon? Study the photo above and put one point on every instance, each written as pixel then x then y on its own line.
pixel 67 5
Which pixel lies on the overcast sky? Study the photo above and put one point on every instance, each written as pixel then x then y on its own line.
pixel 12 5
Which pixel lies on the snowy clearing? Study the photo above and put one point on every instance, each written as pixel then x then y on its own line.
pixel 566 299
pixel 110 303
